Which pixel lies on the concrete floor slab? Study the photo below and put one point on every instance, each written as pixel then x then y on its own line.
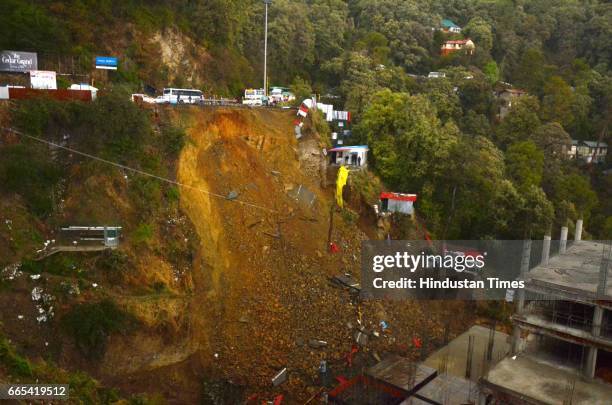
pixel 576 271
pixel 455 353
pixel 530 380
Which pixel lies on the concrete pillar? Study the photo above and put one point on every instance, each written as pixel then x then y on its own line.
pixel 520 294
pixel 545 250
pixel 606 257
pixel 482 398
pixel 525 258
pixel 516 340
pixel 563 240
pixel 591 361
pixel 578 233
pixel 597 320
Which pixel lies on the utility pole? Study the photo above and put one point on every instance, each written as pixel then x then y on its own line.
pixel 265 82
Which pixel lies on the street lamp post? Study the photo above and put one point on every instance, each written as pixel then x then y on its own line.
pixel 265 82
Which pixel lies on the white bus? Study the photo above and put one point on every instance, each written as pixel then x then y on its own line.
pixel 182 96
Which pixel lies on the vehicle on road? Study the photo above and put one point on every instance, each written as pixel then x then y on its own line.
pixel 255 97
pixel 181 96
pixel 143 98
pixel 436 75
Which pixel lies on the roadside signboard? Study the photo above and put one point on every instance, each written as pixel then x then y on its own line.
pixel 17 61
pixel 106 62
pixel 43 79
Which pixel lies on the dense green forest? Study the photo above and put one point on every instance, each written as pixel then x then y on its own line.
pixel 477 175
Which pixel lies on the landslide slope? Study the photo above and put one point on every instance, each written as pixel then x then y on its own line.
pixel 226 276
pixel 262 286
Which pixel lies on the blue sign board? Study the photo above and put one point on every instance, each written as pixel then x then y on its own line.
pixel 106 62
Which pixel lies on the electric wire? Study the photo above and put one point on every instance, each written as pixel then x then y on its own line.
pixel 138 171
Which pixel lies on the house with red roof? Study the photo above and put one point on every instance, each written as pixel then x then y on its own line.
pixel 466 45
pixel 397 202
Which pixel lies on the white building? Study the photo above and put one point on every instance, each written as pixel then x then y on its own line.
pixel 397 202
pixel 353 156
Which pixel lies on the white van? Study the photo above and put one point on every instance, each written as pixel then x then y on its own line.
pixel 182 96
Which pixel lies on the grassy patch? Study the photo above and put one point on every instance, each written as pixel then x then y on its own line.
pixel 143 234
pixel 59 264
pixel 349 216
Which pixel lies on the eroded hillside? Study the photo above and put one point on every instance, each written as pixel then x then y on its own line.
pixel 229 283
pixel 263 289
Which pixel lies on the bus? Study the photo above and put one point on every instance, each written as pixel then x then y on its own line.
pixel 182 96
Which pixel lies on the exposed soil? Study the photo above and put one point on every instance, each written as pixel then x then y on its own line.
pixel 262 288
pixel 258 290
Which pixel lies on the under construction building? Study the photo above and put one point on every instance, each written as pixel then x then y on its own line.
pixel 561 348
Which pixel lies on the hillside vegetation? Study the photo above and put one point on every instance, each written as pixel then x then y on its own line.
pixel 369 55
pixel 222 275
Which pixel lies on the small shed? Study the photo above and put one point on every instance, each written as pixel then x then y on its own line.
pixel 355 156
pixel 105 235
pixel 397 202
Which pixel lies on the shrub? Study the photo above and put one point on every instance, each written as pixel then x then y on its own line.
pixel 146 194
pixel 114 264
pixel 112 260
pixel 349 216
pixel 28 170
pixel 143 234
pixel 91 323
pixel 59 264
pixel 173 139
pixel 119 125
pixel 173 194
pixel 16 365
pixel 159 287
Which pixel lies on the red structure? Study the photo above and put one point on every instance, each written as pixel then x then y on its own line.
pixel 397 202
pixel 364 389
pixel 61 94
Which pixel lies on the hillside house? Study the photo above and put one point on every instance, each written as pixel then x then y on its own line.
pixel 506 98
pixel 397 202
pixel 353 156
pixel 588 151
pixel 450 26
pixel 466 45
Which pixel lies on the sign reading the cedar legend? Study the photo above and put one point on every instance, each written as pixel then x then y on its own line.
pixel 19 62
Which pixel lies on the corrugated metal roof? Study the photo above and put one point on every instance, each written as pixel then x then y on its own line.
pixel 351 147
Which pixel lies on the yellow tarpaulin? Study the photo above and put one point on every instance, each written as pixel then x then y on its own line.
pixel 342 177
